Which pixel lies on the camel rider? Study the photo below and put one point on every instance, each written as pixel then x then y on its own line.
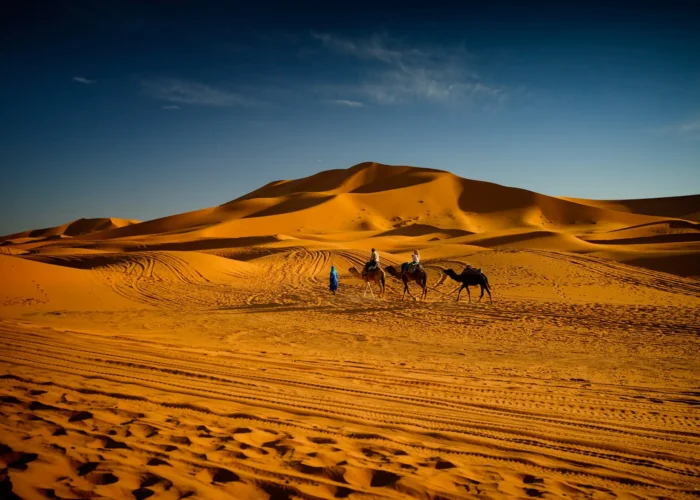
pixel 413 265
pixel 410 267
pixel 373 262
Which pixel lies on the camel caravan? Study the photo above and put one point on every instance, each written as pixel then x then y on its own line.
pixel 413 272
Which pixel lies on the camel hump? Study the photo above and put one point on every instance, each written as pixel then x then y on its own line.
pixel 473 270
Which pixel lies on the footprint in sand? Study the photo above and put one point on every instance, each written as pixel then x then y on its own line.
pixel 101 478
pixel 321 440
pixel 383 478
pixel 224 476
pixel 80 416
pixel 15 459
pixel 154 462
pixel 110 444
pixel 181 440
pixel 153 479
pixel 86 468
pixel 142 430
pixel 142 493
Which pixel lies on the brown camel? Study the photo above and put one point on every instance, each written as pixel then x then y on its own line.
pixel 375 276
pixel 470 278
pixel 419 276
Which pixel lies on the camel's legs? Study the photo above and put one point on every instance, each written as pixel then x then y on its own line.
pixel 468 293
pixel 370 289
pixel 406 289
pixel 460 292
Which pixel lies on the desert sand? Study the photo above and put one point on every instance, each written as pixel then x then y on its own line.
pixel 202 356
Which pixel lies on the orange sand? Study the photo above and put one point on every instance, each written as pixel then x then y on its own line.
pixel 201 355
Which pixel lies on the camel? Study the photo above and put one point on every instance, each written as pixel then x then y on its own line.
pixel 470 278
pixel 375 276
pixel 419 276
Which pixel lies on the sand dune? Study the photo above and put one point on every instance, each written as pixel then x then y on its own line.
pixel 678 207
pixel 659 232
pixel 380 198
pixel 78 227
pixel 202 356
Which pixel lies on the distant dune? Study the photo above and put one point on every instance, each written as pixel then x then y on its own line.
pixel 679 207
pixel 80 227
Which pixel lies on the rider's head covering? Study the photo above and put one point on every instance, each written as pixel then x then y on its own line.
pixel 373 249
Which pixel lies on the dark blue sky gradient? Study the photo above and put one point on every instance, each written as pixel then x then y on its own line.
pixel 588 99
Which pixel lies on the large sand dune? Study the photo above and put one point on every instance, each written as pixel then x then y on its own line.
pixel 201 355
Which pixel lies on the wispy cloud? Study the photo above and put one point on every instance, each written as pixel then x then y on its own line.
pixel 402 73
pixel 186 92
pixel 81 79
pixel 689 128
pixel 348 103
pixel 171 107
pixel 692 127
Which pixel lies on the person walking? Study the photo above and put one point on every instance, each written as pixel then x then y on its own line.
pixel 334 280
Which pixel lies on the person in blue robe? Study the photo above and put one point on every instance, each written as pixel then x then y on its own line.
pixel 334 280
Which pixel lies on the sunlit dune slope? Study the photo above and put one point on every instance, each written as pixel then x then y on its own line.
pixel 44 286
pixel 379 198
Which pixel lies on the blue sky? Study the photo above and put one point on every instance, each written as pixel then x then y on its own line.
pixel 146 109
